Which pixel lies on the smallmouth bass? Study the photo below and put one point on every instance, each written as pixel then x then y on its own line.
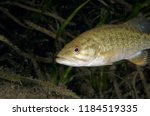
pixel 108 44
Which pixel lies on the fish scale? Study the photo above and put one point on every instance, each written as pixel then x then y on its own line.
pixel 107 44
pixel 126 37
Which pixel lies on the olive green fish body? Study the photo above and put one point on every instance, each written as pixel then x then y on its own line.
pixel 119 39
pixel 105 45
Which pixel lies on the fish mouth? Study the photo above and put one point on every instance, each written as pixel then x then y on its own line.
pixel 66 61
pixel 58 59
pixel 61 59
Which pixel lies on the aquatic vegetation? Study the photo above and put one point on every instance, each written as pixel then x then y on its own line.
pixel 33 32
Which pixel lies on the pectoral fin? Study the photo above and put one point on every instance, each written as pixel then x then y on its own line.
pixel 141 58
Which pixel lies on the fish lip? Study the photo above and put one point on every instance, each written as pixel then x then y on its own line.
pixel 65 61
pixel 62 58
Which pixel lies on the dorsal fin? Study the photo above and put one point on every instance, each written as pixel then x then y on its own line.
pixel 142 24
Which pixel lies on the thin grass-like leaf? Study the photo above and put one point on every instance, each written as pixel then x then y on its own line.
pixel 68 20
pixel 65 78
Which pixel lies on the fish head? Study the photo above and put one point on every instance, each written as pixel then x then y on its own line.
pixel 82 51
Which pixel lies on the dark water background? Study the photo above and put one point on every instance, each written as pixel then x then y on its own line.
pixel 31 35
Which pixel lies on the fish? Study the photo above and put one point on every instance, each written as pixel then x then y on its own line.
pixel 108 44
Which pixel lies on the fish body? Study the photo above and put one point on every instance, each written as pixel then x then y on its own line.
pixel 107 44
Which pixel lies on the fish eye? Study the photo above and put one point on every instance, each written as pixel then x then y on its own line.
pixel 76 49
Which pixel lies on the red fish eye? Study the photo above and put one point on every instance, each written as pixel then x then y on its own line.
pixel 76 49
